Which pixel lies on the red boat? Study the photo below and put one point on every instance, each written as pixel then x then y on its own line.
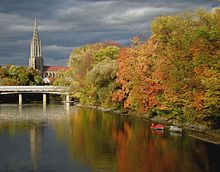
pixel 157 126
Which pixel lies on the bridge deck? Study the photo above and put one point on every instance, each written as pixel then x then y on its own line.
pixel 33 89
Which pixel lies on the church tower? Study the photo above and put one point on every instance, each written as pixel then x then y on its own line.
pixel 36 60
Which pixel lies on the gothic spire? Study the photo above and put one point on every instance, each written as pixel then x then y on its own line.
pixel 36 60
pixel 35 22
pixel 35 32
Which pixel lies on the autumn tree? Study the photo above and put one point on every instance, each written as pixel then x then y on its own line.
pixel 19 75
pixel 139 90
pixel 189 44
pixel 175 73
pixel 92 73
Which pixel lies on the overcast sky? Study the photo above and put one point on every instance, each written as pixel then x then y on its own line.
pixel 65 24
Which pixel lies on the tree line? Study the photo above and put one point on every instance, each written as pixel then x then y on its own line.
pixel 174 74
pixel 19 75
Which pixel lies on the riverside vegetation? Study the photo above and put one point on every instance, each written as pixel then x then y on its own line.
pixel 175 74
pixel 19 75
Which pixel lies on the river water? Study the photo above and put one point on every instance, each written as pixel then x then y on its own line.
pixel 56 138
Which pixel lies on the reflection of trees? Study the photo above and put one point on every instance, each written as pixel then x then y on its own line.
pixel 14 127
pixel 89 139
pixel 210 162
pixel 117 143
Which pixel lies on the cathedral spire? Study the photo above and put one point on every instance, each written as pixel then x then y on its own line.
pixel 35 32
pixel 35 22
pixel 35 59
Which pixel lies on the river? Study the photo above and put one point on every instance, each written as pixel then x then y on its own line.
pixel 57 138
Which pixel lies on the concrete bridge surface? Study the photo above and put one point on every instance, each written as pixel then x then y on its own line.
pixel 36 89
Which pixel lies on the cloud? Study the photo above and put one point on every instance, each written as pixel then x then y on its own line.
pixel 56 48
pixel 55 62
pixel 58 54
pixel 64 24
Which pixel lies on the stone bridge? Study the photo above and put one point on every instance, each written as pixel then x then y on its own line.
pixel 36 89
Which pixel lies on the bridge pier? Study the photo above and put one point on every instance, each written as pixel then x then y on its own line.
pixel 20 99
pixel 67 100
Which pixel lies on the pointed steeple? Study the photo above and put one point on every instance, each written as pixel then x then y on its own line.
pixel 35 59
pixel 35 32
pixel 35 22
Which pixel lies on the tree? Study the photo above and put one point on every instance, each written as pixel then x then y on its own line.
pixel 189 44
pixel 19 75
pixel 138 90
pixel 92 73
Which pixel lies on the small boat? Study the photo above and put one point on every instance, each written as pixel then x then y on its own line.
pixel 175 129
pixel 157 126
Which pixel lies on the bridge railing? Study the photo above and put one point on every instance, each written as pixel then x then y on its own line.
pixel 32 88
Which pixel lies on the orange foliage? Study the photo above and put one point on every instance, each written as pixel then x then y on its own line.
pixel 198 101
pixel 138 88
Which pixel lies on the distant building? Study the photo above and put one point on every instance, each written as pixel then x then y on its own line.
pixel 36 60
pixel 51 71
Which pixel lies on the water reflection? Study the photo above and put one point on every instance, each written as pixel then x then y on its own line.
pixel 16 120
pixel 96 141
pixel 36 132
pixel 116 143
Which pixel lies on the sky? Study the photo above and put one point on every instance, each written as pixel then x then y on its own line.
pixel 66 24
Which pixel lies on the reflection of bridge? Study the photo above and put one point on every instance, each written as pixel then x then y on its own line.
pixel 35 89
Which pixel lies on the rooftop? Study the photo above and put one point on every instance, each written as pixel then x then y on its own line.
pixel 55 68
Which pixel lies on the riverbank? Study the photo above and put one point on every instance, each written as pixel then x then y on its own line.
pixel 196 130
pixel 199 131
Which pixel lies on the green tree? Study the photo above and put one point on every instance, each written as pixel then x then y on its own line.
pixel 19 75
pixel 189 44
pixel 91 75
